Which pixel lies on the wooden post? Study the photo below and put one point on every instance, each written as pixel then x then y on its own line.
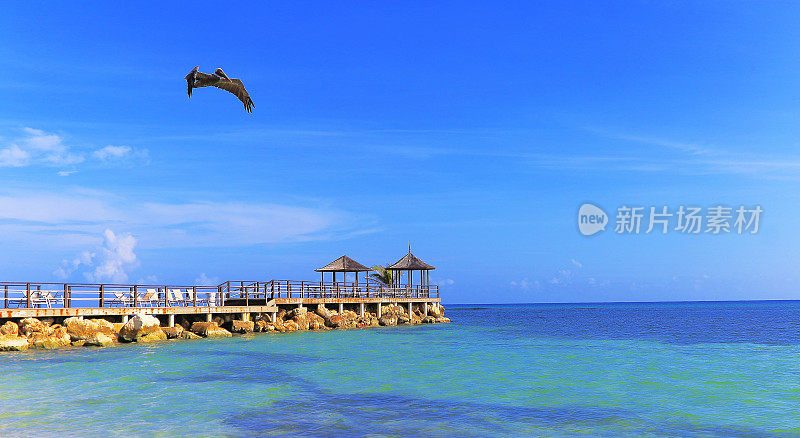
pixel 5 296
pixel 135 296
pixel 102 295
pixel 68 300
pixel 28 295
pixel 194 296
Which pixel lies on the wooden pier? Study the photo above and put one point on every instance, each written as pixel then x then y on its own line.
pixel 244 299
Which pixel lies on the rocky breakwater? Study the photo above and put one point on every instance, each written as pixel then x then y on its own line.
pixel 323 318
pixel 32 333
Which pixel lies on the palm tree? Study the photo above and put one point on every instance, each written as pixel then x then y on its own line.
pixel 383 275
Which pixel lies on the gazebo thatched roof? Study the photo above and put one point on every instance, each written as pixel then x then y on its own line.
pixel 343 264
pixel 410 262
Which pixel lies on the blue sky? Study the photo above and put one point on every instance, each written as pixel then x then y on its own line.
pixel 473 130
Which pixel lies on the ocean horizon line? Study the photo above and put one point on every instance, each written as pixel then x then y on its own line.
pixel 623 302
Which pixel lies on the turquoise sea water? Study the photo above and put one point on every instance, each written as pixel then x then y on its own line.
pixel 704 369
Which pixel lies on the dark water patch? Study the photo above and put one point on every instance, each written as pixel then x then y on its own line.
pixel 324 414
pixel 259 356
pixel 699 431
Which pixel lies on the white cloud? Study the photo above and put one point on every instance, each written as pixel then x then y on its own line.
pixel 564 277
pixel 67 267
pixel 526 284
pixel 576 263
pixel 112 152
pixel 66 172
pixel 116 258
pixel 14 156
pixel 36 147
pixel 204 280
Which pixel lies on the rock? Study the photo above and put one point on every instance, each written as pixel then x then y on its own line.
pixel 392 310
pixel 261 325
pixel 105 327
pixel 78 343
pixel 442 319
pixel 323 312
pixel 315 322
pixel 290 326
pixel 99 339
pixel 118 327
pixel 82 329
pixel 428 320
pixel 403 320
pixel 139 326
pixel 299 311
pixel 173 332
pixel 208 329
pixel 334 321
pixel 32 325
pixel 9 329
pixel 13 343
pixel 151 334
pixel 239 326
pixel 57 339
pixel 435 310
pixel 301 321
pixel 387 320
pixel 186 334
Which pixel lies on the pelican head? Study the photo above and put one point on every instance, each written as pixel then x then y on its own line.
pixel 222 74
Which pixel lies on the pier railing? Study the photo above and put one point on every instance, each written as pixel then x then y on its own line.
pixel 66 295
pixel 324 289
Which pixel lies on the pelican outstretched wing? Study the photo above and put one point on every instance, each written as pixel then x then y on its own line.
pixel 190 78
pixel 236 87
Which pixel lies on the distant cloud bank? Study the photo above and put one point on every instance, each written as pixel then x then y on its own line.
pixel 35 147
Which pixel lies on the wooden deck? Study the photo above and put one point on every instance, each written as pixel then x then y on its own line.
pixel 56 300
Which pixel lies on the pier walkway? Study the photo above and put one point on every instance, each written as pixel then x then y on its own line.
pixel 40 300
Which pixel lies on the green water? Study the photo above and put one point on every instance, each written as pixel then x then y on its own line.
pixel 612 370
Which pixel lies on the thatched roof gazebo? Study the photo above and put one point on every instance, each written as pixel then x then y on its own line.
pixel 344 265
pixel 411 263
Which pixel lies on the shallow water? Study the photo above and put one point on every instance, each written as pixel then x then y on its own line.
pixel 707 369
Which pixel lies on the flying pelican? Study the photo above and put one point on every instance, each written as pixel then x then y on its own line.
pixel 198 79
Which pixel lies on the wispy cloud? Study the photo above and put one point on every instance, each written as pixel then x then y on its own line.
pixel 204 280
pixel 75 217
pixel 35 147
pixel 657 154
pixel 112 153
